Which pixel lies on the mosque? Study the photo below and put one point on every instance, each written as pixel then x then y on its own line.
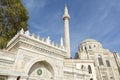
pixel 30 57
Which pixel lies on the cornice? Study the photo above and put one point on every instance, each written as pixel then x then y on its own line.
pixel 31 42
pixel 39 50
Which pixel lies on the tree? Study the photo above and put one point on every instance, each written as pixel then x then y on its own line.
pixel 13 17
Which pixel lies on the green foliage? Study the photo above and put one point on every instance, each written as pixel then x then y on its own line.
pixel 13 17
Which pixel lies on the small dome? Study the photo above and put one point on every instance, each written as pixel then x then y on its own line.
pixel 89 40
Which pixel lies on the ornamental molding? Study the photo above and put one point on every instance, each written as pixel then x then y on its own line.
pixel 42 51
pixel 26 36
pixel 29 42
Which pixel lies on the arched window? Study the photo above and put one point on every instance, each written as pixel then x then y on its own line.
pixel 108 63
pixel 76 56
pixel 18 78
pixel 81 48
pixel 89 69
pixel 82 67
pixel 100 60
pixel 85 48
pixel 91 78
pixel 89 47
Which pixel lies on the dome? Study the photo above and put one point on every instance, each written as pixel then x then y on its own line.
pixel 89 40
pixel 90 44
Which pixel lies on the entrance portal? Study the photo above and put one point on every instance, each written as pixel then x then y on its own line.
pixel 41 71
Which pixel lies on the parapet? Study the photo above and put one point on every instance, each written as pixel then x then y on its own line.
pixel 37 38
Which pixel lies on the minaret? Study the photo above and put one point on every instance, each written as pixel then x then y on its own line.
pixel 66 18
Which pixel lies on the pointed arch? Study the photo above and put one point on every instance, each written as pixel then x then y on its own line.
pixel 41 68
pixel 31 63
pixel 18 78
pixel 91 78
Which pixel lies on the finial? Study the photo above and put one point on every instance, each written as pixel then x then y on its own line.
pixel 43 39
pixel 21 31
pixel 27 32
pixel 66 14
pixel 33 35
pixel 48 40
pixel 56 45
pixel 66 9
pixel 38 37
pixel 53 43
pixel 61 42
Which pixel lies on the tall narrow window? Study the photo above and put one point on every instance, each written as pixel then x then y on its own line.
pixel 100 60
pixel 86 49
pixel 89 47
pixel 81 48
pixel 89 69
pixel 108 63
pixel 82 67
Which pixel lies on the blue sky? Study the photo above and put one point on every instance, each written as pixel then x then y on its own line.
pixel 96 19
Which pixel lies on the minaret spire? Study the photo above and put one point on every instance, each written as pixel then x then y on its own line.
pixel 66 14
pixel 66 19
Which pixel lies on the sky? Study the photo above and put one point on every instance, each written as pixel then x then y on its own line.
pixel 95 19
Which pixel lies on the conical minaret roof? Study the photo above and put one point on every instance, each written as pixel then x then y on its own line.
pixel 66 14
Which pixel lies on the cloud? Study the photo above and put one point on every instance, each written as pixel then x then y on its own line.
pixel 94 19
pixel 100 26
pixel 37 29
pixel 33 5
pixel 49 26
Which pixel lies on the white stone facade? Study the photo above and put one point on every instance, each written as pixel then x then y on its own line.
pixel 107 64
pixel 30 57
